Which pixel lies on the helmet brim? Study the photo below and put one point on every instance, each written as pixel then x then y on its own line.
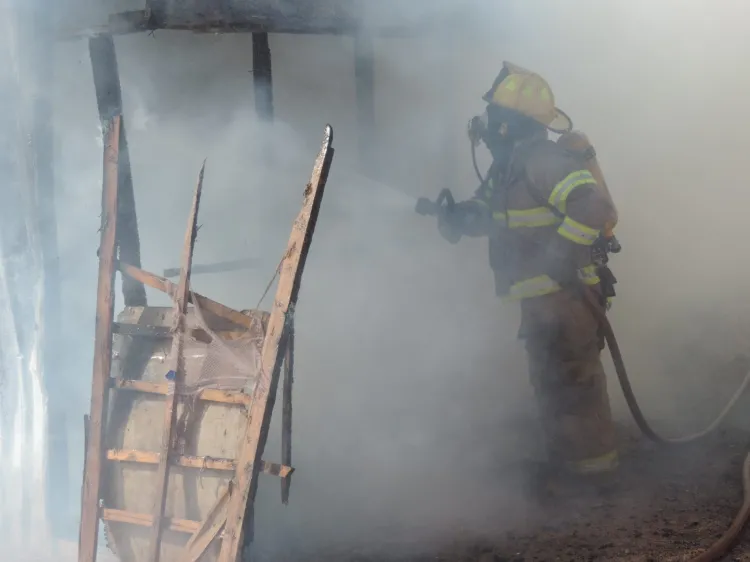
pixel 562 123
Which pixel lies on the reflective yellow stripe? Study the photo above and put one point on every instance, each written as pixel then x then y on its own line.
pixel 499 216
pixel 577 232
pixel 588 275
pixel 604 463
pixel 534 287
pixel 538 216
pixel 562 190
pixel 544 285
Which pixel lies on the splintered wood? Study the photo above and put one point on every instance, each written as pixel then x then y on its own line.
pixel 175 374
pixel 241 504
pixel 89 530
pixel 184 522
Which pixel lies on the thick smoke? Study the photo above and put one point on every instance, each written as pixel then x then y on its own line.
pixel 411 394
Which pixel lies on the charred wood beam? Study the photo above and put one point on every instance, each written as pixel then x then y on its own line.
pixel 109 102
pixel 364 76
pixel 262 77
pixel 142 20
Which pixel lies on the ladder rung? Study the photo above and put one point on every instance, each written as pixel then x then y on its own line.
pixel 205 463
pixel 146 520
pixel 208 394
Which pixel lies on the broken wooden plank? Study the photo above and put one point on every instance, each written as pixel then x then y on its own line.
pixel 207 394
pixel 146 520
pixel 286 413
pixel 109 102
pixel 180 298
pixel 92 475
pixel 206 304
pixel 253 442
pixel 210 528
pixel 85 449
pixel 186 461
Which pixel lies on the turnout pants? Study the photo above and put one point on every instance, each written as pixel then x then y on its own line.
pixel 564 344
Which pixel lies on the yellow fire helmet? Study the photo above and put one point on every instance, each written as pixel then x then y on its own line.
pixel 529 94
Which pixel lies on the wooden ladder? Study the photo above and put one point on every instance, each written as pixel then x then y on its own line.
pixel 231 516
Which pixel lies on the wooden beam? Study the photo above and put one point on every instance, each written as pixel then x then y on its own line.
pixel 241 504
pixel 186 461
pixel 89 532
pixel 364 76
pixel 218 267
pixel 180 298
pixel 109 101
pixel 85 452
pixel 286 414
pixel 262 77
pixel 166 286
pixel 210 528
pixel 138 21
pixel 207 394
pixel 146 520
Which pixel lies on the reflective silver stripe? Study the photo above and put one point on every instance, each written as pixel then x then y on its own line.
pixel 562 190
pixel 534 287
pixel 544 285
pixel 604 463
pixel 576 232
pixel 588 275
pixel 538 216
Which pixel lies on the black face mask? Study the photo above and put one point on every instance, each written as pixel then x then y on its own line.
pixel 504 129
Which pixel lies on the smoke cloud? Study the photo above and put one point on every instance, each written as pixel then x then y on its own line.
pixel 411 392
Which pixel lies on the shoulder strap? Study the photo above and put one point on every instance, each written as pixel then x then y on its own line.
pixel 530 187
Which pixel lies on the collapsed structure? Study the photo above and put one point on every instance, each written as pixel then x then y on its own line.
pixel 204 380
pixel 36 26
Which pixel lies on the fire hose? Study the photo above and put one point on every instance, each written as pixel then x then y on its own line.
pixel 719 548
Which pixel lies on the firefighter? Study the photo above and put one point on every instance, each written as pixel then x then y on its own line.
pixel 541 209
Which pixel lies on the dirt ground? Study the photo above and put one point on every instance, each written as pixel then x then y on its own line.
pixel 667 505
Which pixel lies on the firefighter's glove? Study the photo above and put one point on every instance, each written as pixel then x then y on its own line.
pixel 466 218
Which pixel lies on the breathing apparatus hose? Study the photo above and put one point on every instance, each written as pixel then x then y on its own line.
pixel 482 179
pixel 730 536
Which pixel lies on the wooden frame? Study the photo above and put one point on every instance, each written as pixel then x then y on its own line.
pixel 232 512
pixel 138 21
